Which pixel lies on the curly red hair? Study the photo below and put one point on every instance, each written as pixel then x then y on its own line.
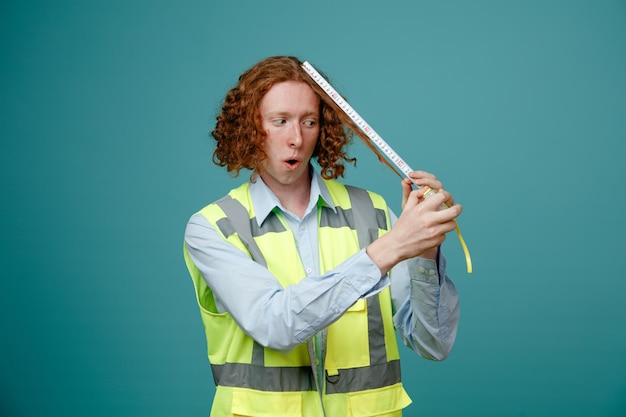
pixel 238 130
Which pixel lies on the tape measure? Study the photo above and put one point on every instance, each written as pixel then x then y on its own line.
pixel 376 140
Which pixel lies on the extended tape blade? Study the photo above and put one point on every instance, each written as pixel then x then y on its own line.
pixel 375 138
pixel 357 119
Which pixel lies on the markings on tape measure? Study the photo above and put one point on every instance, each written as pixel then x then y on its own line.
pixel 376 139
pixel 357 119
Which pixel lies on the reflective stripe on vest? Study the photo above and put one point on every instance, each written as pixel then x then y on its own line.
pixel 237 220
pixel 379 373
pixel 264 378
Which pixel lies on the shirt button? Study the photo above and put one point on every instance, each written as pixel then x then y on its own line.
pixel 421 269
pixel 309 270
pixel 317 362
pixel 336 310
pixel 431 272
pixel 302 228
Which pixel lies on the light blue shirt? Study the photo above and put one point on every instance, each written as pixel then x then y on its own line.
pixel 425 301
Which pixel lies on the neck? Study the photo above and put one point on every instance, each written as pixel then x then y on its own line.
pixel 296 201
pixel 293 197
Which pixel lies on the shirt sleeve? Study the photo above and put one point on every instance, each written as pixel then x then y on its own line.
pixel 426 306
pixel 276 317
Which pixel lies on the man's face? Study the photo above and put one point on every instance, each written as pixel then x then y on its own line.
pixel 290 117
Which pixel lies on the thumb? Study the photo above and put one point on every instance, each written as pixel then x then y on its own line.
pixel 412 200
pixel 406 191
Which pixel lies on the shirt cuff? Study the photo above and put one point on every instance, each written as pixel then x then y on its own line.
pixel 362 274
pixel 424 270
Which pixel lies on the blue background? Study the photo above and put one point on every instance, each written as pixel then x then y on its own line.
pixel 105 111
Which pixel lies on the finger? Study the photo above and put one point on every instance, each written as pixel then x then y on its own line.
pixel 420 174
pixel 449 199
pixel 406 190
pixel 428 182
pixel 434 200
pixel 412 199
pixel 423 178
pixel 449 215
pixel 442 201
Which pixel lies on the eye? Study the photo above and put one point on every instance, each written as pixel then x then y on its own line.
pixel 310 123
pixel 279 122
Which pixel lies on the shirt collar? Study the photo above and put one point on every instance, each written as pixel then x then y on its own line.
pixel 264 200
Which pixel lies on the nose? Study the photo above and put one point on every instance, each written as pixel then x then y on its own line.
pixel 295 137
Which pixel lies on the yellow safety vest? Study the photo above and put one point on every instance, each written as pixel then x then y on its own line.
pixel 362 360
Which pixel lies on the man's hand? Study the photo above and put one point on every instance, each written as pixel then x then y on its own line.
pixel 421 227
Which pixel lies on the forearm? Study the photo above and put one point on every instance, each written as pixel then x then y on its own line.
pixel 277 317
pixel 428 311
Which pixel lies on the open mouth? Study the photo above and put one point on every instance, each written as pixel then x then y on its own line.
pixel 292 163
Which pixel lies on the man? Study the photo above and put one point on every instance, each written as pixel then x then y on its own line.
pixel 301 280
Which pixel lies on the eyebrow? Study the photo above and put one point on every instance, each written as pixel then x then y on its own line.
pixel 287 113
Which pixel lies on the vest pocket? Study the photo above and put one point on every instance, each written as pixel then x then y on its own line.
pixel 358 306
pixel 349 330
pixel 249 403
pixel 381 402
